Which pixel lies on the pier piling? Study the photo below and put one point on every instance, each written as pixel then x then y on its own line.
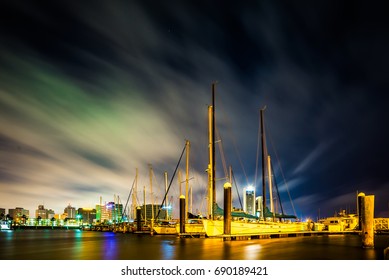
pixel 367 220
pixel 138 218
pixel 227 208
pixel 182 214
pixel 359 208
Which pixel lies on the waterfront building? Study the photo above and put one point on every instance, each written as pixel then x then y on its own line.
pixel 98 213
pixel 50 214
pixel 41 212
pixel 109 212
pixel 113 212
pixel 105 213
pixel 119 212
pixel 70 211
pixel 249 200
pixel 60 216
pixel 149 212
pixel 19 214
pixel 87 215
pixel 2 212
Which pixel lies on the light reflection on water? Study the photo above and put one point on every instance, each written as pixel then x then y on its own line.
pixel 253 251
pixel 89 245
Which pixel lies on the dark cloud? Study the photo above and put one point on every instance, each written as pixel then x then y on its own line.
pixel 95 91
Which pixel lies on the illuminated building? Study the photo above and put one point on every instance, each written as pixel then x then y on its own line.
pixel 109 213
pixel 50 214
pixel 119 211
pixel 88 215
pixel 60 216
pixel 98 213
pixel 17 213
pixel 41 212
pixel 70 211
pixel 110 210
pixel 249 200
pixel 162 213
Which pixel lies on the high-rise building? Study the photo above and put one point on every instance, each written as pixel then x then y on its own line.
pixel 88 215
pixel 119 212
pixel 110 212
pixel 41 212
pixel 113 212
pixel 98 213
pixel 162 212
pixel 2 212
pixel 70 211
pixel 106 213
pixel 50 214
pixel 249 200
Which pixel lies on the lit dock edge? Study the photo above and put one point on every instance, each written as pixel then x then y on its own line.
pixel 193 235
pixel 238 237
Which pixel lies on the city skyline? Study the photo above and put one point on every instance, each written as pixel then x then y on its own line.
pixel 89 94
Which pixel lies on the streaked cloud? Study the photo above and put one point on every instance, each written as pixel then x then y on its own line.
pixel 121 86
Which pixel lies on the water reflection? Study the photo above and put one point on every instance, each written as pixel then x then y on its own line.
pixel 84 245
pixel 167 250
pixel 110 246
pixel 252 251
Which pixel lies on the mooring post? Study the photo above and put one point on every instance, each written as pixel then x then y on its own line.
pixel 367 213
pixel 386 254
pixel 227 208
pixel 359 206
pixel 182 214
pixel 138 218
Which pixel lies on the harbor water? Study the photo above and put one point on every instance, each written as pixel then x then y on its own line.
pixel 90 245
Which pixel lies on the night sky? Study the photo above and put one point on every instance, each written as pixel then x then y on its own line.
pixel 91 91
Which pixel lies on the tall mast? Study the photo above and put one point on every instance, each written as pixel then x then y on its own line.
pixel 151 195
pixel 263 165
pixel 134 195
pixel 187 179
pixel 211 147
pixel 210 169
pixel 144 203
pixel 166 200
pixel 180 181
pixel 270 184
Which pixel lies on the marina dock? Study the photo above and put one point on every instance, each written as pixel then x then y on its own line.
pixel 226 237
pixel 193 235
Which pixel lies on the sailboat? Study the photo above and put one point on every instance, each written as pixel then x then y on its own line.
pixel 192 225
pixel 241 223
pixel 165 226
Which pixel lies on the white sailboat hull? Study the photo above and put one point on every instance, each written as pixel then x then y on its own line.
pixel 216 227
pixel 168 230
pixel 197 227
pixel 192 226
